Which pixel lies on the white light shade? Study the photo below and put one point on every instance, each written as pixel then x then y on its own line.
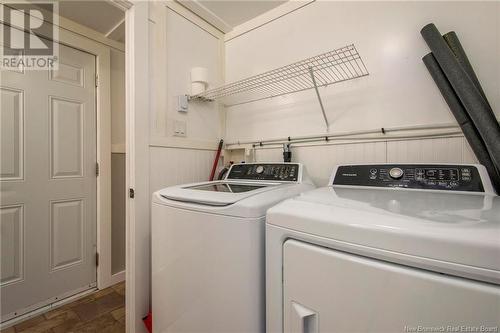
pixel 199 74
pixel 199 80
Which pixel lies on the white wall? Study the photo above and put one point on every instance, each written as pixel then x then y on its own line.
pixel 398 92
pixel 117 101
pixel 118 190
pixel 179 44
pixel 172 166
pixel 118 218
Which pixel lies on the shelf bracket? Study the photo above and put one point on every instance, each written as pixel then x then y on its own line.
pixel 319 98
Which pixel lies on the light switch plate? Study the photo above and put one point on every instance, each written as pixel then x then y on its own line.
pixel 180 128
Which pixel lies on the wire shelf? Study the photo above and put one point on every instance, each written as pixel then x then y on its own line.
pixel 336 66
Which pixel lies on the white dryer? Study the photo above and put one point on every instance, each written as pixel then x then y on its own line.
pixel 387 248
pixel 208 254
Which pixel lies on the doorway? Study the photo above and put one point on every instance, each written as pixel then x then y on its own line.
pixel 104 51
pixel 48 178
pixel 102 38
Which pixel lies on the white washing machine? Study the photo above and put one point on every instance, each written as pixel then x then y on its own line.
pixel 208 248
pixel 387 248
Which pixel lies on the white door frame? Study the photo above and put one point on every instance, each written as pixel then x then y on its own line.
pixel 137 166
pixel 78 37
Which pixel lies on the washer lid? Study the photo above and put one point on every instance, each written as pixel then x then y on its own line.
pixel 458 228
pixel 215 193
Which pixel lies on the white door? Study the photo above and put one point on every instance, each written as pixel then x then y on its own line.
pixel 48 183
pixel 331 291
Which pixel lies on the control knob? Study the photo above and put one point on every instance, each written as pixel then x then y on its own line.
pixel 396 173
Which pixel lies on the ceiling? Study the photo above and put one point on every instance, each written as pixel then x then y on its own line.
pixel 101 16
pixel 227 14
pixel 109 20
pixel 234 13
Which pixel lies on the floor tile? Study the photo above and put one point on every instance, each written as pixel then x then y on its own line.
pixel 103 292
pixel 91 310
pixel 101 311
pixel 29 323
pixel 119 288
pixel 111 301
pixel 116 328
pixel 122 320
pixel 118 313
pixel 8 330
pixel 100 324
pixel 86 299
pixel 46 325
pixel 56 312
pixel 68 324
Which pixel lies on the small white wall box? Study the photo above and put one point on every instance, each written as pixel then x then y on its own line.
pixel 180 128
pixel 182 103
pixel 237 155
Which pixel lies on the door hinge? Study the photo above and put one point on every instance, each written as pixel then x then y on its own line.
pixel 97 80
pixel 131 193
pixel 97 169
pixel 97 259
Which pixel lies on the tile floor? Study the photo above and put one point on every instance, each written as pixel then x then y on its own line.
pixel 102 311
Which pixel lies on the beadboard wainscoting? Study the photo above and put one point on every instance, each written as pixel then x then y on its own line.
pixel 174 166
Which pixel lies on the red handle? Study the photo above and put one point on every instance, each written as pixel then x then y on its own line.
pixel 216 161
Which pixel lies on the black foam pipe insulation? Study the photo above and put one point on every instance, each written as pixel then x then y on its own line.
pixel 463 119
pixel 454 44
pixel 476 106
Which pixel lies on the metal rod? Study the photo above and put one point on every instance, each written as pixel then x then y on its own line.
pixel 348 135
pixel 319 98
pixel 330 139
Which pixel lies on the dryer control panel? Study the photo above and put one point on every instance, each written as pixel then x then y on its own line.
pixel 415 176
pixel 270 172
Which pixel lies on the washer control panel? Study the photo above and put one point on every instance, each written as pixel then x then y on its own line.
pixel 416 176
pixel 271 172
